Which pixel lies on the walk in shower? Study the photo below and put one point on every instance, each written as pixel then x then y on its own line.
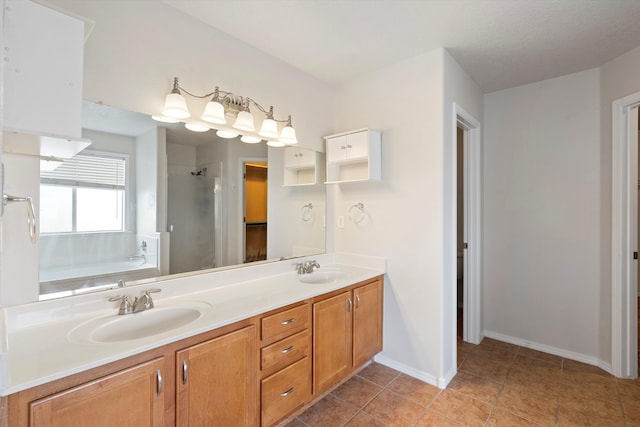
pixel 193 217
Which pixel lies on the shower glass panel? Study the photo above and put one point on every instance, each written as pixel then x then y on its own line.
pixel 191 218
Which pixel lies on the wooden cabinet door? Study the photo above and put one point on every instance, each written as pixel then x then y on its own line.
pixel 217 381
pixel 331 340
pixel 367 322
pixel 133 397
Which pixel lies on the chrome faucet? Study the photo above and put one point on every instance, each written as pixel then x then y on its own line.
pixel 145 302
pixel 306 267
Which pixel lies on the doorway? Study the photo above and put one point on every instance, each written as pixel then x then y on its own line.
pixel 460 241
pixel 624 240
pixel 255 211
pixel 467 161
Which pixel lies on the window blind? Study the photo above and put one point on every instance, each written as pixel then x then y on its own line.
pixel 87 170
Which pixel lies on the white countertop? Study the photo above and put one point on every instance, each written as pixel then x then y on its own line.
pixel 38 347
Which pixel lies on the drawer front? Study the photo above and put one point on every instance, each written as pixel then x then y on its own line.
pixel 286 351
pixel 286 322
pixel 285 391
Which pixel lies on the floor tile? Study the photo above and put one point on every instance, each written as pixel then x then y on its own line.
pixel 497 384
pixel 414 389
pixel 539 355
pixel 629 388
pixel 379 374
pixel 394 410
pixel 328 412
pixel 537 407
pixel 478 365
pixel 475 387
pixel 357 391
pixel 434 418
pixel 571 417
pixel 362 419
pixel 462 408
pixel 532 380
pixel 631 414
pixel 589 404
pixel 295 423
pixel 496 343
pixel 502 418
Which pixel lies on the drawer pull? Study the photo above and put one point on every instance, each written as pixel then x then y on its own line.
pixel 286 350
pixel 185 371
pixel 288 321
pixel 288 392
pixel 159 378
pixel 357 301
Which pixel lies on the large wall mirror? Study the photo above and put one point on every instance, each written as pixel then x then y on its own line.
pixel 148 200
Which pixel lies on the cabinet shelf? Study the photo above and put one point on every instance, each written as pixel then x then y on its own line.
pixel 353 156
pixel 301 167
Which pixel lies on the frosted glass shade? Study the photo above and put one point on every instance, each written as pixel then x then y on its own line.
pixel 244 121
pixel 223 133
pixel 165 119
pixel 288 136
pixel 214 113
pixel 175 106
pixel 269 128
pixel 195 127
pixel 275 144
pixel 250 139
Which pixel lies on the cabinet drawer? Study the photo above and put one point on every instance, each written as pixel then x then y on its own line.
pixel 285 323
pixel 286 351
pixel 285 391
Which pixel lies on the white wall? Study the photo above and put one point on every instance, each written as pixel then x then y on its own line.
pixel 465 93
pixel 136 48
pixel 404 210
pixel 542 199
pixel 618 78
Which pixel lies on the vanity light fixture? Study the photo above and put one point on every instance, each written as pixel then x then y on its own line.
pixel 224 108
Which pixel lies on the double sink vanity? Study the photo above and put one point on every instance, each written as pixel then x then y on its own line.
pixel 243 347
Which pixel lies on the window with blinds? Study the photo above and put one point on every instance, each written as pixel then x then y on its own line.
pixel 84 194
pixel 88 171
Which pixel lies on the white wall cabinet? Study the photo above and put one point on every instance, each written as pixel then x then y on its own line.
pixel 353 156
pixel 301 166
pixel 43 67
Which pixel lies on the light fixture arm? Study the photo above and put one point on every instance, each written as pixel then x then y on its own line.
pixel 229 100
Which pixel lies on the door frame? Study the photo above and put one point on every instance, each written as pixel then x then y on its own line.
pixel 472 175
pixel 624 217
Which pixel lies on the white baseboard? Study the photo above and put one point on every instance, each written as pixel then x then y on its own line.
pixel 382 359
pixel 579 357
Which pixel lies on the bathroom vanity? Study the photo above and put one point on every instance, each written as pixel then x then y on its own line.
pixel 233 350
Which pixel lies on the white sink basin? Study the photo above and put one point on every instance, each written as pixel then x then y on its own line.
pixel 115 328
pixel 322 276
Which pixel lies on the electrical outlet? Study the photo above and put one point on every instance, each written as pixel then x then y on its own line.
pixel 340 221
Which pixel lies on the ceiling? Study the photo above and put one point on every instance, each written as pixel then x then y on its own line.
pixel 499 43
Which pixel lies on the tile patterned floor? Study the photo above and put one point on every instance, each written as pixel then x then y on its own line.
pixel 497 384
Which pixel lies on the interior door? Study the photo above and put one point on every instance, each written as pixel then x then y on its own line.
pixel 255 211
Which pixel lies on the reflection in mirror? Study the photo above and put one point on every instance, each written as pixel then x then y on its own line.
pixel 146 200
